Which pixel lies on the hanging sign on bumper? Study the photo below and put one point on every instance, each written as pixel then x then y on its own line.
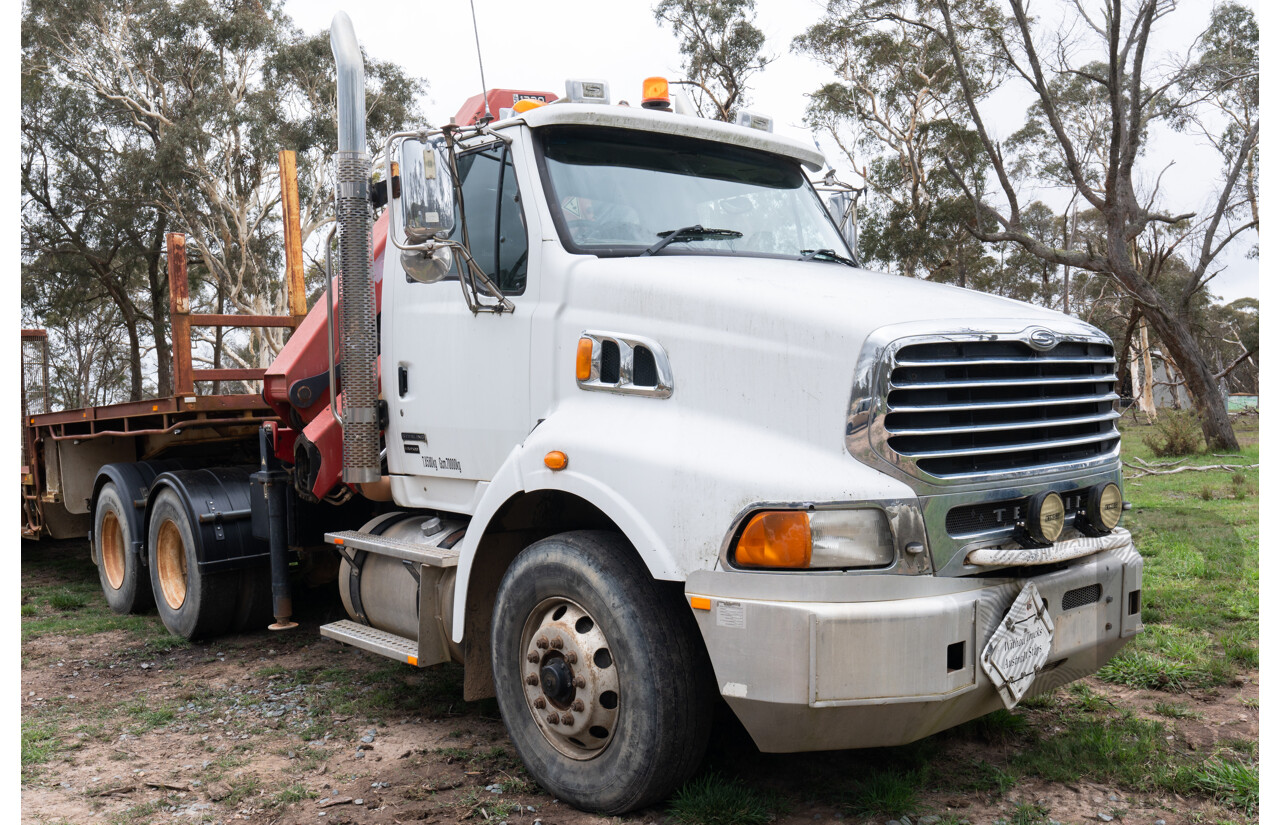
pixel 1019 647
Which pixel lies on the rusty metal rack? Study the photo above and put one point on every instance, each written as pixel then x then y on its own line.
pixel 185 414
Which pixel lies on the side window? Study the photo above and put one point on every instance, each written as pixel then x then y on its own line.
pixel 495 221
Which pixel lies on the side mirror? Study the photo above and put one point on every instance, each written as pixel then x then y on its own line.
pixel 426 190
pixel 428 267
pixel 841 208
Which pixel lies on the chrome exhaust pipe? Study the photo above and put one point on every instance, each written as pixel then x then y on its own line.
pixel 354 214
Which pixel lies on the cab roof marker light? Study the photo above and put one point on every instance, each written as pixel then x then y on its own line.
pixel 751 120
pixel 587 91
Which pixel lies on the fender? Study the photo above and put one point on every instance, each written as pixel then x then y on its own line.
pixel 222 526
pixel 688 475
pixel 133 480
pixel 524 472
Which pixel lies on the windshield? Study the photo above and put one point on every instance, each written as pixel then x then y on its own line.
pixel 615 192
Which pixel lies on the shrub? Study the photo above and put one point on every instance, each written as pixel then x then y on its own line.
pixel 1176 432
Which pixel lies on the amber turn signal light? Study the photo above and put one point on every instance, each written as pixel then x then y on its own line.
pixel 555 460
pixel 583 370
pixel 775 539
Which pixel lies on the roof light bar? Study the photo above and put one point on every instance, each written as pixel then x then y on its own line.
pixel 587 91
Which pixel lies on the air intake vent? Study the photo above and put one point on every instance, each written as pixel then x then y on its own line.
pixel 956 409
pixel 1081 596
pixel 644 368
pixel 610 362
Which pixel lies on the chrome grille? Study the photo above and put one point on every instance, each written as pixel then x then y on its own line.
pixel 956 409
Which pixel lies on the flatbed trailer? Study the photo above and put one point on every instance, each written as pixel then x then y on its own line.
pixel 63 450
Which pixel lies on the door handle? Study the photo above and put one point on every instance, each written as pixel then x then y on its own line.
pixel 403 374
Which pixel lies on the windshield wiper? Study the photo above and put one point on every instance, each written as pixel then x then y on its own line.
pixel 690 233
pixel 825 255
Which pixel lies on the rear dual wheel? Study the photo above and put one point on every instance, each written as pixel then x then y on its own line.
pixel 124 582
pixel 599 673
pixel 197 604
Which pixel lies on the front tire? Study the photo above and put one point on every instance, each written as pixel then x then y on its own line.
pixel 599 673
pixel 124 583
pixel 191 604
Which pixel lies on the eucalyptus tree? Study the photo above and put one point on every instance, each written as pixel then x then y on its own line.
pixel 1097 87
pixel 722 49
pixel 196 99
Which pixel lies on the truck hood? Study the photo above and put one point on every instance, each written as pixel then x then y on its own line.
pixel 774 341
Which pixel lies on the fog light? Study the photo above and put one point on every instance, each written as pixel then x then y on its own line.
pixel 1102 507
pixel 1045 516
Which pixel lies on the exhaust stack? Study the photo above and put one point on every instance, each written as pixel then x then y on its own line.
pixel 359 349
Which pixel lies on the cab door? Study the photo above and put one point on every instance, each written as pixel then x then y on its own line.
pixel 457 383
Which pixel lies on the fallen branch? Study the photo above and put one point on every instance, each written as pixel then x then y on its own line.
pixel 1161 463
pixel 1148 471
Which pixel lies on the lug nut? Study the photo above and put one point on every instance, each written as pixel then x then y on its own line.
pixel 557 643
pixel 578 706
pixel 531 679
pixel 571 657
pixel 539 703
pixel 553 718
pixel 579 681
pixel 542 643
pixel 567 718
pixel 532 657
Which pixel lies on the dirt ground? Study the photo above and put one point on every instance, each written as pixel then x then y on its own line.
pixel 291 728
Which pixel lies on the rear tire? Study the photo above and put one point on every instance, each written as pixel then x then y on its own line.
pixel 619 663
pixel 191 604
pixel 124 583
pixel 253 603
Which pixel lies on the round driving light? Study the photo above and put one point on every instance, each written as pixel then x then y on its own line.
pixel 1046 514
pixel 1102 508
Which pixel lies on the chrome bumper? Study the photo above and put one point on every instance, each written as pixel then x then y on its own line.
pixel 821 662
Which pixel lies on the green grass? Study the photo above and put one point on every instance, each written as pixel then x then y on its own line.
pixel 1176 710
pixel 1026 813
pixel 1229 781
pixel 40 742
pixel 712 799
pixel 888 793
pixel 1200 583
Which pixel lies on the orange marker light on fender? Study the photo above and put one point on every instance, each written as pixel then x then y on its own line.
pixel 775 539
pixel 699 602
pixel 583 367
pixel 556 460
pixel 657 94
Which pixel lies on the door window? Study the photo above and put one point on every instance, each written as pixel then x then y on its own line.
pixel 494 219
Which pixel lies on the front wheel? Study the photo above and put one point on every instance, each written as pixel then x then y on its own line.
pixel 599 673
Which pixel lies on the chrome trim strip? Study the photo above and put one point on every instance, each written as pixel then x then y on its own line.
pixel 1016 425
pixel 997 405
pixel 1019 447
pixel 986 362
pixel 1022 382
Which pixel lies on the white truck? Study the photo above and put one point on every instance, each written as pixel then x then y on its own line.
pixel 633 431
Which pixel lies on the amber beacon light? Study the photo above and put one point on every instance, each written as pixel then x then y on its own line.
pixel 657 94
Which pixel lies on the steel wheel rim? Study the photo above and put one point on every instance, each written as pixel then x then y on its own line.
pixel 171 564
pixel 112 550
pixel 562 640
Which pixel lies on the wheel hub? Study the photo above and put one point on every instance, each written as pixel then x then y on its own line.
pixel 570 678
pixel 113 550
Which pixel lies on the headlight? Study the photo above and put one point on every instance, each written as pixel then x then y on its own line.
pixel 818 540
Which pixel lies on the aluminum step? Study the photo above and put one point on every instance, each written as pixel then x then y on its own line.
pixel 372 640
pixel 383 546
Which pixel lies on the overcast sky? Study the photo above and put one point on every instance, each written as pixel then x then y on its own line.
pixel 537 46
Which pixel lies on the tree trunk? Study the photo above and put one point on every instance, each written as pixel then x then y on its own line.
pixel 1174 333
pixel 1202 386
pixel 135 357
pixel 159 289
